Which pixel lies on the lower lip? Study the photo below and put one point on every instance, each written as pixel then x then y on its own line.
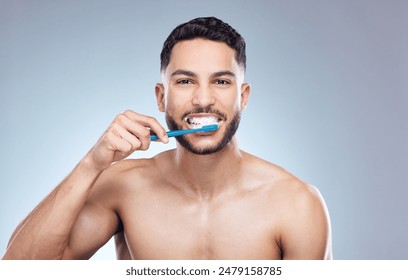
pixel 205 133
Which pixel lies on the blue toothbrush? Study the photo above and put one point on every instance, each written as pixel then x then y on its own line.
pixel 173 133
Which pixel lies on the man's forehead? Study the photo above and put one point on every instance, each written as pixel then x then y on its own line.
pixel 202 55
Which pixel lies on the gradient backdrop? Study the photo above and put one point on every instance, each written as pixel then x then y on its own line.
pixel 329 99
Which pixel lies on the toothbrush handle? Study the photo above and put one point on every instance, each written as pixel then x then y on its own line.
pixel 174 133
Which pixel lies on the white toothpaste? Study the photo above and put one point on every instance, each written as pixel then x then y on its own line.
pixel 198 122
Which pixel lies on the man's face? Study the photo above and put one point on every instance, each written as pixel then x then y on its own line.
pixel 203 84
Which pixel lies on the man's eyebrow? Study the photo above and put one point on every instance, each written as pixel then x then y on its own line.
pixel 194 75
pixel 223 73
pixel 184 73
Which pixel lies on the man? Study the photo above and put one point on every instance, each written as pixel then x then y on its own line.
pixel 206 199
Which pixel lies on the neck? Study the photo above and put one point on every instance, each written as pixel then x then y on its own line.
pixel 208 175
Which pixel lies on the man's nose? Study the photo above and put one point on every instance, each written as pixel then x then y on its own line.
pixel 203 97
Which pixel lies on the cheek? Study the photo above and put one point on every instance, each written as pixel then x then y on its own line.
pixel 231 102
pixel 174 104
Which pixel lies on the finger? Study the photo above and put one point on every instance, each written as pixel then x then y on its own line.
pixel 116 143
pixel 131 129
pixel 150 122
pixel 129 137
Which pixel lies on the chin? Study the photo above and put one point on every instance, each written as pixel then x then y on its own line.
pixel 200 146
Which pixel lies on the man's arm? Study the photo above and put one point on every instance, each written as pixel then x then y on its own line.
pixel 45 233
pixel 60 226
pixel 306 230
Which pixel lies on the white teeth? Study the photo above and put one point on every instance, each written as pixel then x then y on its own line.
pixel 197 122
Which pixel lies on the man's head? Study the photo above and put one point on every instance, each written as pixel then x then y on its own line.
pixel 202 66
pixel 209 28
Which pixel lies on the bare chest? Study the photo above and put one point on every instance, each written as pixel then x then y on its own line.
pixel 171 227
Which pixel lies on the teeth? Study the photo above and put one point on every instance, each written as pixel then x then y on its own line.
pixel 197 122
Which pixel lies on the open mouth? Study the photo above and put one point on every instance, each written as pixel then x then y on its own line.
pixel 200 121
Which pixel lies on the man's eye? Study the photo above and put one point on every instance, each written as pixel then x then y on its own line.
pixel 184 82
pixel 222 82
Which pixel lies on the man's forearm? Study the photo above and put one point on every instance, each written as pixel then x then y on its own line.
pixel 45 233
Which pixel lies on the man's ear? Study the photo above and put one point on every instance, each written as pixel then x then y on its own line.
pixel 245 92
pixel 159 91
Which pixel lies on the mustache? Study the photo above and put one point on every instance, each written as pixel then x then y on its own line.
pixel 205 110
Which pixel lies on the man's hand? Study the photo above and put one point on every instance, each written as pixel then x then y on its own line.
pixel 128 132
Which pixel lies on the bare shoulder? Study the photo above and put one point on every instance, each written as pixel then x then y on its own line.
pixel 281 183
pixel 124 168
pixel 122 178
pixel 297 209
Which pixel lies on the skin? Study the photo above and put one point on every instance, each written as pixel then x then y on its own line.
pixel 179 205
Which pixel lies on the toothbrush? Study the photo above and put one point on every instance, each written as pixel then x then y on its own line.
pixel 173 133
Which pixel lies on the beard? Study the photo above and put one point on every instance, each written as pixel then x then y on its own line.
pixel 230 131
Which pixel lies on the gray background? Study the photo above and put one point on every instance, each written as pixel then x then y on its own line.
pixel 329 99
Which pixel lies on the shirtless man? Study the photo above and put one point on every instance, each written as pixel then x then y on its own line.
pixel 206 199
